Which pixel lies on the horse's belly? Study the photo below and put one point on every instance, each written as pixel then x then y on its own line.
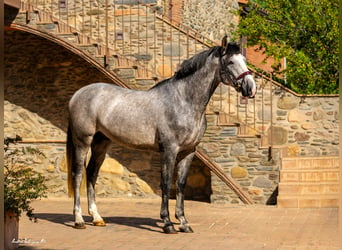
pixel 135 138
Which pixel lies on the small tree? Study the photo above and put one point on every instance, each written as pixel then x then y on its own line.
pixel 22 184
pixel 305 32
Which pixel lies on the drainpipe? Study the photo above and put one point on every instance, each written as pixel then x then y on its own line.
pixel 285 71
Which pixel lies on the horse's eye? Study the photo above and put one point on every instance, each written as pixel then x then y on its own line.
pixel 230 62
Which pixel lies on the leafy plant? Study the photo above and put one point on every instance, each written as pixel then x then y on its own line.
pixel 305 33
pixel 22 184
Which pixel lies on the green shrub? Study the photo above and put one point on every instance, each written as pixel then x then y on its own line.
pixel 22 184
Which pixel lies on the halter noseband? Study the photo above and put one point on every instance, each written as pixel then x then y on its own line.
pixel 226 73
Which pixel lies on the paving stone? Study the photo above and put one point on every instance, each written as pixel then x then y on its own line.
pixel 135 224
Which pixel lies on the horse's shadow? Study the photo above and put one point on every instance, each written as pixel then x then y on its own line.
pixel 149 224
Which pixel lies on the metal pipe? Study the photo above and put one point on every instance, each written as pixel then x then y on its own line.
pixel 171 54
pixel 122 30
pixel 130 51
pixel 114 30
pixel 271 115
pixel 155 44
pixel 138 40
pixel 146 42
pixel 106 48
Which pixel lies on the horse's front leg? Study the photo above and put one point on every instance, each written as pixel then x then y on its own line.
pixel 183 170
pixel 168 164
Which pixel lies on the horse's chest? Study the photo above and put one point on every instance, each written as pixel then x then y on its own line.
pixel 191 133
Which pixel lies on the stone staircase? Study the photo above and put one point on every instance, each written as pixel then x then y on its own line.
pixel 222 133
pixel 309 182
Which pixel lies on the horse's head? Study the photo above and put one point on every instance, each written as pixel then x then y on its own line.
pixel 234 70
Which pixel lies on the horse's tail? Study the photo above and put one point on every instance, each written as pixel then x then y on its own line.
pixel 70 154
pixel 70 149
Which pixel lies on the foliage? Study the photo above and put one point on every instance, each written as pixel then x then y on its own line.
pixel 22 184
pixel 305 32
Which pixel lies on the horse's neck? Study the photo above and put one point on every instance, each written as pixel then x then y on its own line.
pixel 201 86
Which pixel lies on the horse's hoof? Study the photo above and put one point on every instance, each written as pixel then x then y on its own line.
pixel 80 225
pixel 99 223
pixel 186 229
pixel 169 230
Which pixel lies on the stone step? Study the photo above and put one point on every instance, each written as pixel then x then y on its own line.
pixel 312 188
pixel 310 163
pixel 70 37
pixel 125 73
pixel 47 27
pixel 310 175
pixel 145 84
pixel 287 201
pixel 91 49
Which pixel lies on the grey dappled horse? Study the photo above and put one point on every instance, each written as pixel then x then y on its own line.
pixel 168 118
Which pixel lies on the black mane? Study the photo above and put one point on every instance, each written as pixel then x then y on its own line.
pixel 190 66
pixel 196 62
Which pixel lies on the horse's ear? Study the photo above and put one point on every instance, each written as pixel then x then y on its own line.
pixel 224 43
pixel 233 48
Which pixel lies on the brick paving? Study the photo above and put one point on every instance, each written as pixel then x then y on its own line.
pixel 135 224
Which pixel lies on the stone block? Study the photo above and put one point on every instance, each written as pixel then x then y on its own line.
pixel 300 137
pixel 293 150
pixel 173 50
pixel 238 149
pixel 329 202
pixel 143 186
pixel 308 202
pixel 289 188
pixel 164 70
pixel 330 176
pixel 262 182
pixel 279 135
pixel 310 189
pixel 318 115
pixel 112 166
pixel 287 202
pixel 120 185
pixel 307 126
pixel 287 102
pixel 63 164
pixel 50 168
pixel 296 116
pixel 289 176
pixel 254 191
pixel 238 172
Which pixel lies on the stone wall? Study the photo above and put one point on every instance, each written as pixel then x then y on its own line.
pixel 292 126
pixel 306 125
pixel 213 19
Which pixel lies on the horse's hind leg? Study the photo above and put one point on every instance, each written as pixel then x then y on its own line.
pixel 79 161
pixel 99 148
pixel 183 169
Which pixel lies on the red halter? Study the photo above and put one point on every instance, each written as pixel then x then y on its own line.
pixel 243 74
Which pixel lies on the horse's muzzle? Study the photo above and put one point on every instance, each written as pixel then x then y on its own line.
pixel 248 87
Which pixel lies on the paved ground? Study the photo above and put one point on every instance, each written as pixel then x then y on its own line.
pixel 135 224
